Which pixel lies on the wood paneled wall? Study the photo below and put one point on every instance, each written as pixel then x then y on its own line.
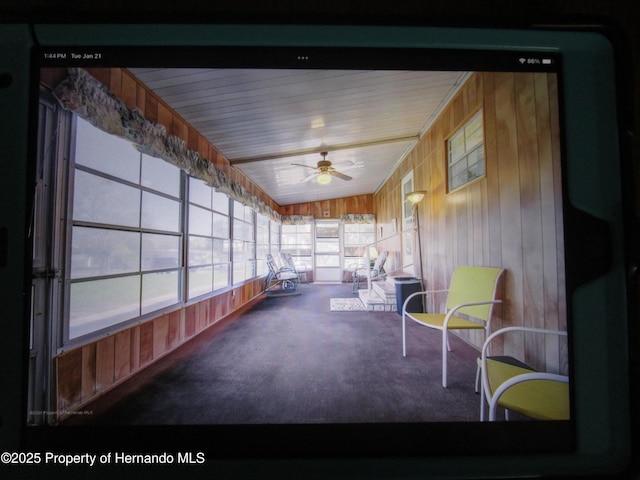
pixel 335 207
pixel 86 372
pixel 511 217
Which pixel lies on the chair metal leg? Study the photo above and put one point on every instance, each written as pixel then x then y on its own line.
pixel 404 341
pixel 445 344
pixel 482 405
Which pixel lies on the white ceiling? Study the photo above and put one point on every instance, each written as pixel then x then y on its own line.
pixel 263 121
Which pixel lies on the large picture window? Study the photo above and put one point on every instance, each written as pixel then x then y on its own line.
pixel 465 153
pixel 244 244
pixel 209 244
pixel 144 237
pixel 125 249
pixel 262 244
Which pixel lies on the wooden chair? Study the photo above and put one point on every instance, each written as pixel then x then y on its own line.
pixel 516 387
pixel 469 305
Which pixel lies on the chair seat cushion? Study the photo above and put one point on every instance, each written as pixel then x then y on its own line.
pixel 286 275
pixel 499 371
pixel 539 399
pixel 436 320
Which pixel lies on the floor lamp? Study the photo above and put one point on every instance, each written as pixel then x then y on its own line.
pixel 414 198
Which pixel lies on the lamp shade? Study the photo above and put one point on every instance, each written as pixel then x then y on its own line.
pixel 415 197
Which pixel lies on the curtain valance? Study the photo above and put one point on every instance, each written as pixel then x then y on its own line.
pixel 82 94
pixel 297 219
pixel 358 218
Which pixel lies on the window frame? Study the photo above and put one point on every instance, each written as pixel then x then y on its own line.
pixel 71 168
pixel 297 233
pixel 212 209
pixel 468 151
pixel 248 241
pixel 66 196
pixel 356 261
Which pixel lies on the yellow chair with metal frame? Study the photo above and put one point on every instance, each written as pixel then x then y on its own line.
pixel 469 306
pixel 510 384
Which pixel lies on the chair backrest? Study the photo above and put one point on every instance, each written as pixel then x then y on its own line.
pixel 288 260
pixel 273 268
pixel 379 263
pixel 474 284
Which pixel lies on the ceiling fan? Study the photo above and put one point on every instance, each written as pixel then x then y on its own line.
pixel 324 171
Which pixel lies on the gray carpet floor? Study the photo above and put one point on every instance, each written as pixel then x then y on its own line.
pixel 290 360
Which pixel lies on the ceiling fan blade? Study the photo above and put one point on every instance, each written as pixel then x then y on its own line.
pixel 301 165
pixel 347 164
pixel 310 177
pixel 341 175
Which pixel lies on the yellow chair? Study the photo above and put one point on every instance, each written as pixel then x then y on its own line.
pixel 516 387
pixel 469 305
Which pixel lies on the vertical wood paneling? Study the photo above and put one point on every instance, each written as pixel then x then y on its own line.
pixel 512 217
pixel 69 375
pixel 510 205
pixel 103 75
pixel 135 348
pixel 492 170
pixel 151 108
pixel 190 321
pixel 336 207
pixel 165 117
pixel 174 329
pixel 141 99
pixel 122 355
pixel 160 335
pixel 115 82
pixel 146 343
pixel 129 94
pixel 88 371
pixel 530 212
pixel 105 363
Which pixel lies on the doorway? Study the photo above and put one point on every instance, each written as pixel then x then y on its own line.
pixel 327 251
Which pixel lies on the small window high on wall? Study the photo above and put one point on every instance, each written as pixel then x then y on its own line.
pixel 465 153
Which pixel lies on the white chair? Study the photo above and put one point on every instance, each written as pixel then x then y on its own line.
pixel 362 272
pixel 281 276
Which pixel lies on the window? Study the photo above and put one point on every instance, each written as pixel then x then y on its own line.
pixel 262 244
pixel 298 241
pixel 144 237
pixel 274 236
pixel 209 257
pixel 244 245
pixel 465 152
pixel 125 248
pixel 356 237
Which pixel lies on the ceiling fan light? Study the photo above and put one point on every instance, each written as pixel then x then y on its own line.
pixel 324 178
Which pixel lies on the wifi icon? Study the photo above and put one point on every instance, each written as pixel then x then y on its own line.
pixel 522 60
